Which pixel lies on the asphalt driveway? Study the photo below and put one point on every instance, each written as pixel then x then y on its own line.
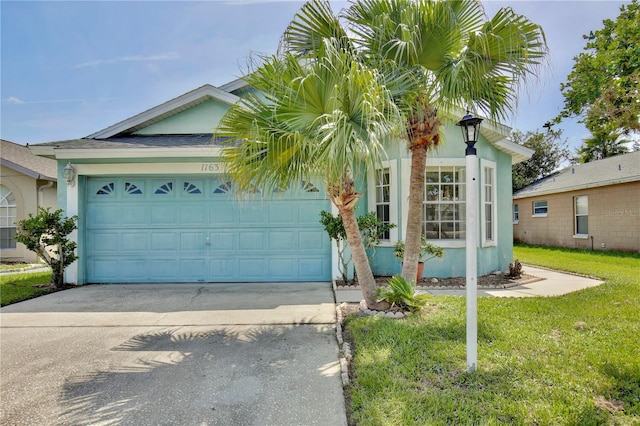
pixel 173 354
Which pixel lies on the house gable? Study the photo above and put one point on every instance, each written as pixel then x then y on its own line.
pixel 198 119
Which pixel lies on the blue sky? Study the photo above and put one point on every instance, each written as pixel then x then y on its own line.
pixel 71 68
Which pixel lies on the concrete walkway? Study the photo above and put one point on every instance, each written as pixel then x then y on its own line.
pixel 551 283
pixel 173 354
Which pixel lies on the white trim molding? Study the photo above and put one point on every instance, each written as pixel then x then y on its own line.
pixel 392 165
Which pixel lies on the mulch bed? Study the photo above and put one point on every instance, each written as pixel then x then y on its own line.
pixel 485 281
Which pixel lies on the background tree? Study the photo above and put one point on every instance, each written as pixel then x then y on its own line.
pixel 603 89
pixel 549 151
pixel 46 234
pixel 600 146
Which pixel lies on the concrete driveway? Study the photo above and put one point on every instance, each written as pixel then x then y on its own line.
pixel 173 354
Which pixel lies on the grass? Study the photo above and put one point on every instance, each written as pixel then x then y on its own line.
pixel 569 360
pixel 22 286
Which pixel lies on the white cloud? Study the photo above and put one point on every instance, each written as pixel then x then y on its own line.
pixel 14 100
pixel 167 56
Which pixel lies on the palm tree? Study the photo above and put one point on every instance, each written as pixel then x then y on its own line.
pixel 326 116
pixel 600 146
pixel 438 58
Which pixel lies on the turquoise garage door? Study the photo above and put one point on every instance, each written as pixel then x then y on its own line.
pixel 194 230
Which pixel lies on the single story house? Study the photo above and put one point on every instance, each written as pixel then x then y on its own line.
pixel 593 206
pixel 27 182
pixel 154 204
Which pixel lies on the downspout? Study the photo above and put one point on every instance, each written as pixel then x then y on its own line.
pixel 41 189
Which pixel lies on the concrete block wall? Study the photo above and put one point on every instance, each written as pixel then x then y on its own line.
pixel 614 219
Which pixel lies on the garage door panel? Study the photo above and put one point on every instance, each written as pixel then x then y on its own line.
pixel 253 268
pixel 251 241
pixel 193 269
pixel 223 241
pixel 134 214
pixel 194 214
pixel 316 241
pixel 100 215
pixel 100 242
pixel 283 240
pixel 164 214
pixel 283 268
pixel 164 270
pixel 134 241
pixel 162 241
pixel 221 270
pixel 181 230
pixel 192 241
pixel 309 213
pixel 313 269
pixel 251 215
pixel 282 213
pixel 223 213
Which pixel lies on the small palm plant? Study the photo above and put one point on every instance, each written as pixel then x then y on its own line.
pixel 402 293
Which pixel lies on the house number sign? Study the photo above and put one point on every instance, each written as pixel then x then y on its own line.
pixel 210 167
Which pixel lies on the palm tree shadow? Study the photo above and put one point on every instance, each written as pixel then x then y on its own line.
pixel 173 374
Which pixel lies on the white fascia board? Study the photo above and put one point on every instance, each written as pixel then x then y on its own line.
pixel 167 107
pixel 236 84
pixel 576 188
pixel 77 154
pixel 42 151
pixel 518 152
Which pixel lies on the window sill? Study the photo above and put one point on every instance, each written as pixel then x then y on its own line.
pixel 448 244
pixel 515 222
pixel 581 236
pixel 539 215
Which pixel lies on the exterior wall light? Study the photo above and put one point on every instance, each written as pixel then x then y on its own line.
pixel 69 174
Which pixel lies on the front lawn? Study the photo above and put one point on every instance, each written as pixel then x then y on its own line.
pixel 569 360
pixel 21 286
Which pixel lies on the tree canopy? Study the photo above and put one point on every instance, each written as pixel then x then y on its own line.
pixel 549 153
pixel 603 89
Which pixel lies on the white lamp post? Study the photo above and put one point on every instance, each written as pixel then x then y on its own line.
pixel 470 126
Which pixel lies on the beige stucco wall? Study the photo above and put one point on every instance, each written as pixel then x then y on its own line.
pixel 28 199
pixel 614 219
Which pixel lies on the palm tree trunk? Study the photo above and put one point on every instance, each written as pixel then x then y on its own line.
pixel 360 260
pixel 344 197
pixel 413 232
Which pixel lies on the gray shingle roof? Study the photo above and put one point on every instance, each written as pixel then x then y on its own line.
pixel 610 171
pixel 137 141
pixel 19 158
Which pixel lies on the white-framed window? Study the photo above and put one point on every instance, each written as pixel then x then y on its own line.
pixel 488 203
pixel 516 213
pixel 444 205
pixel 540 208
pixel 581 214
pixel 8 211
pixel 383 198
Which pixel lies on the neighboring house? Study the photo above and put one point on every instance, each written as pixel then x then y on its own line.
pixel 26 183
pixel 594 205
pixel 154 204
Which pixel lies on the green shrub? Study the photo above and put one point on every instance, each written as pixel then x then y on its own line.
pixel 402 293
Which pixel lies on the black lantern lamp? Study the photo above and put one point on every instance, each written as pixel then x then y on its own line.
pixel 470 126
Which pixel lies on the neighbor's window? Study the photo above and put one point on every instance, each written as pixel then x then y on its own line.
pixel 7 218
pixel 444 203
pixel 516 213
pixel 383 199
pixel 488 203
pixel 581 209
pixel 539 208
